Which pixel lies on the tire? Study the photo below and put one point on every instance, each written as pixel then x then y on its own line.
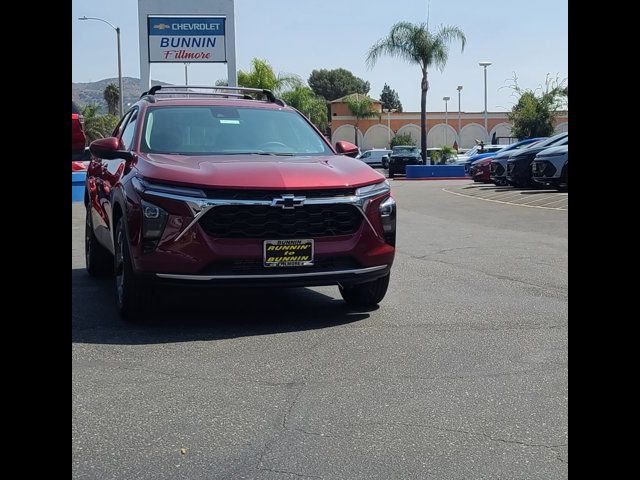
pixel 98 260
pixel 134 297
pixel 366 294
pixel 392 172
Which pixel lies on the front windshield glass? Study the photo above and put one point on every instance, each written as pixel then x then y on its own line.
pixel 228 130
pixel 405 149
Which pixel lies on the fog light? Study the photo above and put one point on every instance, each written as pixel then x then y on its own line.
pixel 388 219
pixel 153 220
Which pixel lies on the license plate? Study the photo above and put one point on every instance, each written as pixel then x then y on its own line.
pixel 288 253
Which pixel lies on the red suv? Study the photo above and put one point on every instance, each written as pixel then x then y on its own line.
pixel 223 189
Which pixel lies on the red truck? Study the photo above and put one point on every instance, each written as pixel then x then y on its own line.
pixel 232 187
pixel 78 138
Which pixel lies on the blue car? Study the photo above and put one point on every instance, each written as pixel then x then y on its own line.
pixel 487 151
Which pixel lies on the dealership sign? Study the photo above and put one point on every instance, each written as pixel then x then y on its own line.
pixel 186 39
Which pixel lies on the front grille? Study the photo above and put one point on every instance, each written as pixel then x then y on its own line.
pixel 256 267
pixel 510 167
pixel 257 221
pixel 543 169
pixel 497 170
pixel 228 194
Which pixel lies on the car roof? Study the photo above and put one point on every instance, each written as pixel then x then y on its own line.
pixel 214 101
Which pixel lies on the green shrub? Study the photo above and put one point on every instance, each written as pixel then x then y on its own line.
pixel 403 139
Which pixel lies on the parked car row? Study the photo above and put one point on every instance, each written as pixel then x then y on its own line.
pixel 532 162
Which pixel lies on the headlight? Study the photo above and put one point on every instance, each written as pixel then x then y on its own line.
pixel 388 218
pixel 154 220
pixel 142 185
pixel 373 190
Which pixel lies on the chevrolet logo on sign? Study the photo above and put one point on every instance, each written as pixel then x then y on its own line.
pixel 288 202
pixel 162 26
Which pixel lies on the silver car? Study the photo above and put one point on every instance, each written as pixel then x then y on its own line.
pixel 551 167
pixel 373 158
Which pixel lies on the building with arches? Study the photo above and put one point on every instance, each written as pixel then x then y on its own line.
pixel 376 132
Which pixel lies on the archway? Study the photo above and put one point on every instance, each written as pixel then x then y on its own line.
pixel 441 134
pixel 561 128
pixel 412 130
pixel 470 132
pixel 345 133
pixel 377 136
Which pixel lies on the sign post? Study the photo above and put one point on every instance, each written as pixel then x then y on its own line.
pixel 186 31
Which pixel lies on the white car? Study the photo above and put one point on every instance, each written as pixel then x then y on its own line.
pixel 462 159
pixel 373 158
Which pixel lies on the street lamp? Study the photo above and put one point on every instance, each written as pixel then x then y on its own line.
pixel 389 111
pixel 117 29
pixel 459 136
pixel 485 65
pixel 446 120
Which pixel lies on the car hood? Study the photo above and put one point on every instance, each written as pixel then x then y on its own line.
pixel 257 171
pixel 527 152
pixel 554 151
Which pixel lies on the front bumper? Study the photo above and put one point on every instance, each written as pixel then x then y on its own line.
pixel 186 253
pixel 302 279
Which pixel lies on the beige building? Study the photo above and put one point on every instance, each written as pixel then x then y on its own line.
pixel 376 132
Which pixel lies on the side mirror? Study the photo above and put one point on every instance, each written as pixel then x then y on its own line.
pixel 108 148
pixel 347 148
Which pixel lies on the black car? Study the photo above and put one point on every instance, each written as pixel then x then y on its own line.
pixel 401 156
pixel 519 164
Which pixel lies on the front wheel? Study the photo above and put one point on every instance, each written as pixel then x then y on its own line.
pixel 365 294
pixel 392 173
pixel 134 296
pixel 98 260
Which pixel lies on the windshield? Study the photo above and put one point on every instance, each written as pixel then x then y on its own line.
pixel 226 130
pixel 405 149
pixel 551 140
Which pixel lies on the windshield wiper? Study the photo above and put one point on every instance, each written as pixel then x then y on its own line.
pixel 282 154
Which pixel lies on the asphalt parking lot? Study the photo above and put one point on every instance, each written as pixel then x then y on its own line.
pixel 461 373
pixel 551 199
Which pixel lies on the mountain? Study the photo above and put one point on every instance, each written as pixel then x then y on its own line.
pixel 91 93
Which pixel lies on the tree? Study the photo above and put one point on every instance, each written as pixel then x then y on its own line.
pixel 402 139
pixel 361 107
pixel 533 115
pixel 111 95
pixel 98 126
pixel 415 44
pixel 314 107
pixel 390 99
pixel 332 84
pixel 261 75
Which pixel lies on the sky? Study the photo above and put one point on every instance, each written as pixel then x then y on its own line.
pixel 520 37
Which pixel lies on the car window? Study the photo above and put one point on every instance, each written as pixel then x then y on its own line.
pixel 229 130
pixel 366 155
pixel 129 130
pixel 121 123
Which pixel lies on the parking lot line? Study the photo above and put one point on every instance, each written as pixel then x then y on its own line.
pixel 556 201
pixel 505 203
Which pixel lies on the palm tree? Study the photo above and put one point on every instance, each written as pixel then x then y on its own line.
pixel 112 97
pixel 361 107
pixel 415 44
pixel 261 75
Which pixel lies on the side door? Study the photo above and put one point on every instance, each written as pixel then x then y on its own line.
pixel 109 173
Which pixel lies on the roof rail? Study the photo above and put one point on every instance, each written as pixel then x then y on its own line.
pixel 218 91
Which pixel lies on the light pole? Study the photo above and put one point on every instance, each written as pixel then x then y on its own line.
pixel 389 111
pixel 459 137
pixel 117 29
pixel 485 65
pixel 446 120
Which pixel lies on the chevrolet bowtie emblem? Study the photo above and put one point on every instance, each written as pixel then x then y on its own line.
pixel 162 26
pixel 288 202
